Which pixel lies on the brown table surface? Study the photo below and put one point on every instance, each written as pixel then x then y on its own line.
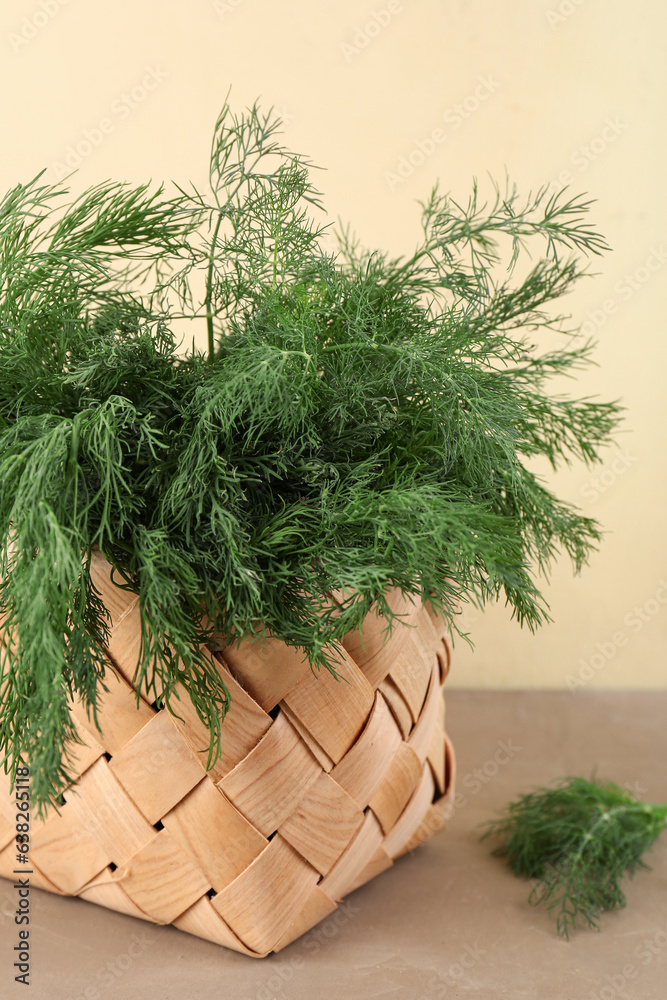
pixel 449 920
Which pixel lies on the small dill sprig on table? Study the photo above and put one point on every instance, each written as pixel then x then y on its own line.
pixel 357 423
pixel 577 839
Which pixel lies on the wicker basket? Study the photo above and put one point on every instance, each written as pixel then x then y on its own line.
pixel 321 785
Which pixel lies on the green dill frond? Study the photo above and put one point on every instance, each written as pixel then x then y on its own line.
pixel 577 840
pixel 358 423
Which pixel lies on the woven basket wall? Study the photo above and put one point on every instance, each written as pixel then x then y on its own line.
pixel 320 787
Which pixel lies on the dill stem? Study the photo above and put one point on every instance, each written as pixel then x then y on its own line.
pixel 209 289
pixel 72 467
pixel 274 277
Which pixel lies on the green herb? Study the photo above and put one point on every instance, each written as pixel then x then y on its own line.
pixel 358 423
pixel 577 840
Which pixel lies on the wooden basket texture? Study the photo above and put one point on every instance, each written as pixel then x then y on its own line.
pixel 321 785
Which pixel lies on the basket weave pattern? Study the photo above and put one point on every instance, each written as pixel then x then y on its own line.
pixel 321 784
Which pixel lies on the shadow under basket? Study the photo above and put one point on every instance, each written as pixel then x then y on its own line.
pixel 321 785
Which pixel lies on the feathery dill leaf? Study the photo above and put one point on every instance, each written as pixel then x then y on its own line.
pixel 357 423
pixel 577 840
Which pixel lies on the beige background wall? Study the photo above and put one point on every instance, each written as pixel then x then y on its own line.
pixel 553 90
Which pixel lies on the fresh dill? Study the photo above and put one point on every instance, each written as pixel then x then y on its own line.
pixel 358 423
pixel 577 840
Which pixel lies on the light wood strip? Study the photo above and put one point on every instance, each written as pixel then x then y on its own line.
pixel 220 841
pixel 124 646
pixel 204 921
pixel 450 768
pixel 323 824
pixel 7 809
pixel 380 862
pixel 445 657
pixel 197 736
pixel 111 894
pixel 116 600
pixel 411 675
pixel 66 853
pixel 420 738
pixel 359 853
pixel 323 759
pixel 432 823
pixel 161 879
pixel 108 814
pixel 247 722
pixel 398 706
pixel 242 728
pixel 398 785
pixel 267 668
pixel 267 786
pixel 118 714
pixel 316 908
pixel 81 755
pixel 371 647
pixel 7 832
pixel 333 710
pixel 412 815
pixel 40 881
pixel 363 769
pixel 157 768
pixel 37 879
pixel 8 861
pixel 412 670
pixel 445 646
pixel 436 749
pixel 261 904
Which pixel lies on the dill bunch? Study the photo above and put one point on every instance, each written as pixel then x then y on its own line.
pixel 577 840
pixel 358 423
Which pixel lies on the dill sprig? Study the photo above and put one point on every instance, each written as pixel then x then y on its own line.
pixel 357 423
pixel 577 840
